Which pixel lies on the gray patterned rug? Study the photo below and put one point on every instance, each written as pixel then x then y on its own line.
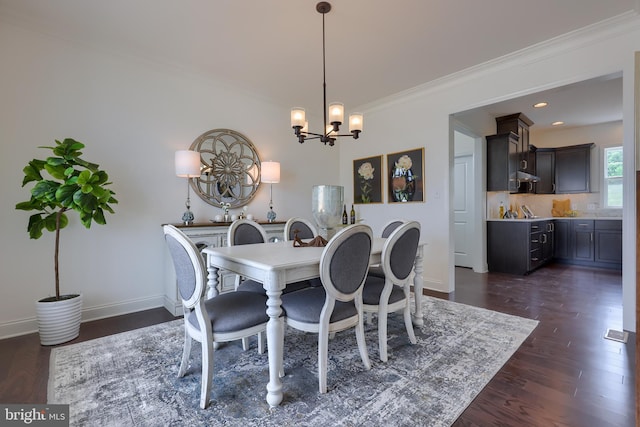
pixel 130 379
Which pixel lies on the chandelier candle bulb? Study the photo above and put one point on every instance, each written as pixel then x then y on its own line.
pixel 355 122
pixel 336 113
pixel 298 117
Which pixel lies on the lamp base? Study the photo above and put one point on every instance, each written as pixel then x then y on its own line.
pixel 187 217
pixel 271 215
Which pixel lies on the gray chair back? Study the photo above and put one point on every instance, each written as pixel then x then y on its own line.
pixel 244 232
pixel 305 229
pixel 345 261
pixel 399 252
pixel 390 226
pixel 188 264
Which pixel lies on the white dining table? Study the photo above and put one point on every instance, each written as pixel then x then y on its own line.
pixel 275 265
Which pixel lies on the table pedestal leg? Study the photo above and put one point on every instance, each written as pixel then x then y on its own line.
pixel 275 345
pixel 418 284
pixel 213 280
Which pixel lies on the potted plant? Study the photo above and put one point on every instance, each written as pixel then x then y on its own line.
pixel 63 182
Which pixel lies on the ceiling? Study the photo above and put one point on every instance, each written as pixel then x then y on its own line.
pixel 273 49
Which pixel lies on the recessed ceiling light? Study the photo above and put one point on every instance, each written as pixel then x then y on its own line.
pixel 540 104
pixel 557 123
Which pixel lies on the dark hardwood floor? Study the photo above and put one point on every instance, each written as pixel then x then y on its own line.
pixel 564 374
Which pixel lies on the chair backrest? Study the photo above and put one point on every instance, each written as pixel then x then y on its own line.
pixel 306 230
pixel 345 262
pixel 390 226
pixel 244 232
pixel 399 252
pixel 191 273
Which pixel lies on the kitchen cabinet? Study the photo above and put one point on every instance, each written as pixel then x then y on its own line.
pixel 583 247
pixel 589 242
pixel 608 242
pixel 517 246
pixel 502 162
pixel 546 171
pixel 573 169
pixel 519 124
pixel 562 233
pixel 521 246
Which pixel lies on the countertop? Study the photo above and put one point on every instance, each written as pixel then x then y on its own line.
pixel 607 218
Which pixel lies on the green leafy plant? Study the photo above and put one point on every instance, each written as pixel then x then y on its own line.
pixel 65 182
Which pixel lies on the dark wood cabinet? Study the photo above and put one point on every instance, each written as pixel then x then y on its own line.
pixel 608 242
pixel 519 247
pixel 562 239
pixel 583 247
pixel 519 124
pixel 502 162
pixel 546 171
pixel 594 243
pixel 573 169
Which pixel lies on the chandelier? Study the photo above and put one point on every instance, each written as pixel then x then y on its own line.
pixel 335 110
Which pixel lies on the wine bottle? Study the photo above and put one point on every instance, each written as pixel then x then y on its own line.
pixel 353 215
pixel 344 215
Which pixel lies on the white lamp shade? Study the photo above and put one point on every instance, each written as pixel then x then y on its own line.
pixel 270 172
pixel 187 163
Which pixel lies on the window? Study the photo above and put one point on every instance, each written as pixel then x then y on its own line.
pixel 613 177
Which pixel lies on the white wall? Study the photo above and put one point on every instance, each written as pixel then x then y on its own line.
pixel 420 118
pixel 132 115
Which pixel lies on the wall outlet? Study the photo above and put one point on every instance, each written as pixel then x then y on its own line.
pixel 592 206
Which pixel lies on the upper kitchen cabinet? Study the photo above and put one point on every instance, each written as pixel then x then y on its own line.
pixel 519 124
pixel 573 169
pixel 546 170
pixel 502 162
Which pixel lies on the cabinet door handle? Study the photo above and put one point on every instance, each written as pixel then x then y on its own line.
pixel 524 164
pixel 530 186
pixel 544 238
pixel 591 236
pixel 553 187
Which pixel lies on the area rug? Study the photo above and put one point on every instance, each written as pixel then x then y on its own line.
pixel 130 379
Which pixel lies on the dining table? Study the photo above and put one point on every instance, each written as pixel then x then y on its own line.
pixel 275 265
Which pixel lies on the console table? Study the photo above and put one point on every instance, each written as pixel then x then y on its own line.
pixel 208 234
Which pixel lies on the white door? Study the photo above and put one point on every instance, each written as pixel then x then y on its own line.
pixel 463 211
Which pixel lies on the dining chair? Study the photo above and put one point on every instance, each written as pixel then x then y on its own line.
pixel 245 232
pixel 225 317
pixel 337 305
pixel 392 293
pixel 304 227
pixel 387 229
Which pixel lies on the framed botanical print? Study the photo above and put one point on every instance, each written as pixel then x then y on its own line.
pixel 367 180
pixel 406 176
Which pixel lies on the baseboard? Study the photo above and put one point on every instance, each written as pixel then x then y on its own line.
pixel 30 325
pixel 173 307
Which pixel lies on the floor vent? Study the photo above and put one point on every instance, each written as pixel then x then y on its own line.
pixel 615 335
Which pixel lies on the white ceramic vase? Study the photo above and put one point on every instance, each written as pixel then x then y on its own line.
pixel 59 321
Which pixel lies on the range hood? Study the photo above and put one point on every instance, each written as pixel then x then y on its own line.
pixel 527 177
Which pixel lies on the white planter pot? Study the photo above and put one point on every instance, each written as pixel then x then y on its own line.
pixel 59 321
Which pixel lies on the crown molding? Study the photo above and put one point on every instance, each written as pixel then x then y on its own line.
pixel 613 27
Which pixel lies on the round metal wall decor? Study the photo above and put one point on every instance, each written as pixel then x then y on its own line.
pixel 230 168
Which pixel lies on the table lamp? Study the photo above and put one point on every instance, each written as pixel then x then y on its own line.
pixel 187 165
pixel 271 175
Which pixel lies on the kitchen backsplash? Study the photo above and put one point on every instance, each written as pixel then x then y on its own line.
pixel 585 204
